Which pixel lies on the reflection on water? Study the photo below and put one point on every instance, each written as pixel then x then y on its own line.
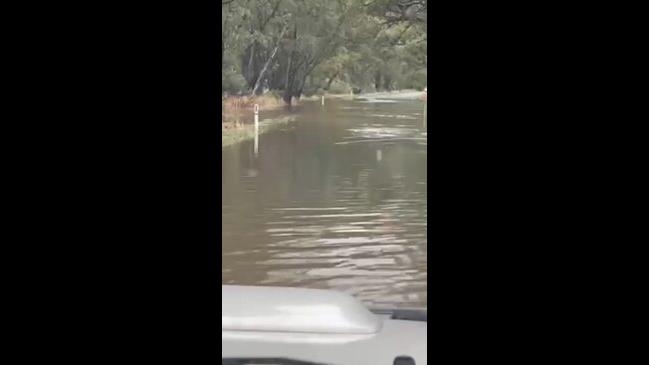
pixel 335 200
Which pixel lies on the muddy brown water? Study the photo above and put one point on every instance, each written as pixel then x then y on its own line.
pixel 336 199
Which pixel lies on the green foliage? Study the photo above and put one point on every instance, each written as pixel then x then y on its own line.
pixel 417 80
pixel 232 82
pixel 338 87
pixel 297 47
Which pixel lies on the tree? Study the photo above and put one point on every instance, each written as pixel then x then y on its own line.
pixel 293 46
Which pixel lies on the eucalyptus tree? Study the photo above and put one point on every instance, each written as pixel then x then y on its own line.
pixel 283 45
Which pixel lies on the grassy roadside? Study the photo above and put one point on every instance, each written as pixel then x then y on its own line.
pixel 233 134
pixel 236 109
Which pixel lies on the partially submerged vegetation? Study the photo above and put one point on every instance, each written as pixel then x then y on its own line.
pixel 232 133
pixel 237 117
pixel 234 109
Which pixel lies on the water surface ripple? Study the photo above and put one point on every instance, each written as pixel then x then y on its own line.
pixel 335 200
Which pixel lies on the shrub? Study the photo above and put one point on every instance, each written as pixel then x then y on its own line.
pixel 233 83
pixel 338 87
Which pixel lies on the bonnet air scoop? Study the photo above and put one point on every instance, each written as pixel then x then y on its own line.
pixel 274 309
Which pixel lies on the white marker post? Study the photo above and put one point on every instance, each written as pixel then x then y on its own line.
pixel 425 112
pixel 322 100
pixel 425 105
pixel 256 110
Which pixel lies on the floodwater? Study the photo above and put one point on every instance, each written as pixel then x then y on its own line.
pixel 336 199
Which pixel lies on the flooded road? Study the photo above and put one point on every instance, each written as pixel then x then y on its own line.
pixel 336 199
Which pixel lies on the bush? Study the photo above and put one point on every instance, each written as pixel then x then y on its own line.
pixel 338 87
pixel 309 91
pixel 417 80
pixel 233 83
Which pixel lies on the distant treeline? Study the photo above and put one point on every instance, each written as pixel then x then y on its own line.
pixel 298 47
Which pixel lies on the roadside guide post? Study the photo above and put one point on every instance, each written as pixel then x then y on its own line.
pixel 256 110
pixel 425 96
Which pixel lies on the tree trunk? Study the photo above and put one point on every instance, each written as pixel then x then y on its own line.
pixel 288 91
pixel 288 69
pixel 267 64
pixel 287 97
pixel 387 83
pixel 250 74
pixel 331 80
